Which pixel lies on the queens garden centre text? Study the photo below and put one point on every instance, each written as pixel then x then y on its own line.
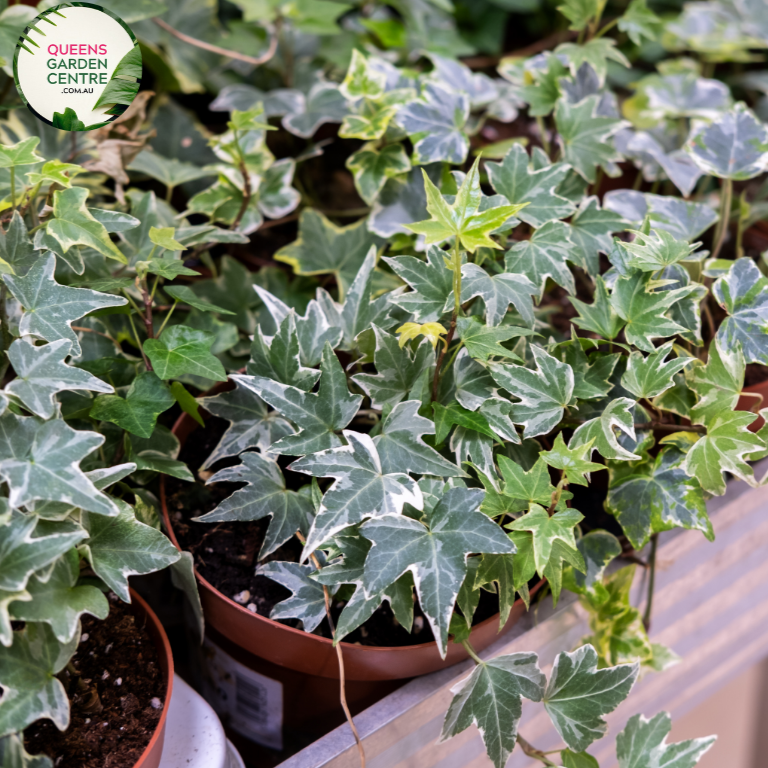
pixel 77 71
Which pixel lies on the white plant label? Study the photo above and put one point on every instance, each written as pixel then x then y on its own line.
pixel 249 703
pixel 77 66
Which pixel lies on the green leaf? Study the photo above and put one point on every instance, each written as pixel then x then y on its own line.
pixel 168 171
pixel 498 571
pixel 324 248
pixel 648 377
pixel 169 268
pixel 119 547
pixel 577 759
pixel 455 415
pixel 743 293
pixel 55 172
pixel 590 231
pixel 401 448
pixel 182 350
pixel 482 341
pixel 599 317
pixel 398 369
pixel 435 554
pixel 461 219
pixel 544 393
pixel 252 424
pixel 371 168
pixel 639 22
pixel 601 434
pixel 598 548
pixel 186 295
pixel 68 121
pixel 546 530
pixel 149 460
pixel 137 413
pixel 362 80
pixel 323 104
pixel 431 283
pixel 307 601
pixel 435 124
pixel 585 135
pixel 643 744
pixel 74 224
pixel 264 495
pixel 41 372
pixel 717 385
pixel 573 460
pixel 41 461
pixel 497 292
pixel 579 695
pixel 317 415
pixel 579 12
pixel 542 89
pixel 28 670
pixel 734 146
pixel 597 53
pixel 13 754
pixel 21 153
pixel 16 249
pixel 657 250
pixel 491 698
pixel 59 602
pixel 658 495
pixel 120 90
pixel 519 181
pixel 21 553
pixel 362 489
pixel 645 311
pixel 544 256
pixel 50 308
pixel 164 237
pixel 723 449
pixel 526 488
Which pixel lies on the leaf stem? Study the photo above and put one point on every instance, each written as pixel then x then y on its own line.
pixel 471 651
pixel 13 187
pixel 651 581
pixel 147 364
pixel 531 751
pixel 606 27
pixel 725 214
pixel 543 136
pixel 167 317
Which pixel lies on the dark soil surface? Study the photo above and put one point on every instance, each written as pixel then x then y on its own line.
pixel 226 554
pixel 116 692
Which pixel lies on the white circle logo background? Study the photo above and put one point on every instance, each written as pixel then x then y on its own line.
pixel 74 26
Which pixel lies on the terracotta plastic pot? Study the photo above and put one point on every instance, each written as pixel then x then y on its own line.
pixel 150 758
pixel 313 655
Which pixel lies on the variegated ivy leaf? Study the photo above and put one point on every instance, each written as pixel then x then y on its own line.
pixel 137 412
pixel 717 384
pixel 435 125
pixel 743 293
pixel 323 104
pixel 497 293
pixel 121 546
pixel 16 249
pixel 51 308
pixel 572 460
pixel 520 489
pixel 370 122
pixel 579 695
pixel 643 744
pixel 401 448
pixel 307 601
pixel 483 341
pixel 318 415
pixel 58 601
pixel 362 80
pixel 278 359
pixel 519 181
pixel 251 423
pixel 480 88
pixel 684 94
pixel 544 256
pixel 723 449
pixel 40 460
pixel 362 488
pixel 22 553
pixel 461 218
pixel 473 384
pixel 648 377
pixel 13 754
pixel 277 196
pixel 592 375
pixel 371 168
pixel 596 52
pixel 734 146
pixel 598 548
pixel 543 394
pixel 645 310
pixel 28 670
pixel 657 250
pixel 21 153
pixel 585 135
pixel 491 698
pixel 590 231
pixel 639 22
pixel 399 369
pixel 181 350
pixel 435 553
pixel 431 283
pixel 321 323
pixel 657 495
pixel 599 317
pixel 264 495
pixel 323 248
pixel 601 434
pixel 541 84
pixel 579 12
pixel 41 372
